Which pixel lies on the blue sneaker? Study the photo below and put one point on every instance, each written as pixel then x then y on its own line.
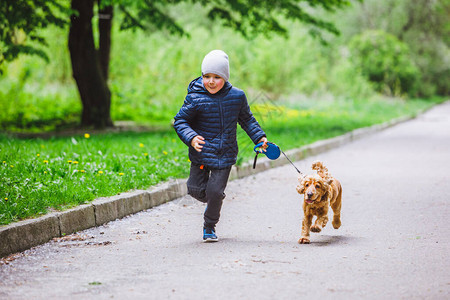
pixel 209 235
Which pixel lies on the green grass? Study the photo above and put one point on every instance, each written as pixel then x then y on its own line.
pixel 62 172
pixel 39 175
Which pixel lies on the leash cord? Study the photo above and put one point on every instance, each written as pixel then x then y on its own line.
pixel 258 152
pixel 291 162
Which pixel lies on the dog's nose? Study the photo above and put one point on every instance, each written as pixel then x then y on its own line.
pixel 309 194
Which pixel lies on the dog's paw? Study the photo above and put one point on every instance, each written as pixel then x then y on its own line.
pixel 303 240
pixel 336 223
pixel 316 228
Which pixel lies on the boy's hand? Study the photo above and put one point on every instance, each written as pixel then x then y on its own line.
pixel 197 143
pixel 264 145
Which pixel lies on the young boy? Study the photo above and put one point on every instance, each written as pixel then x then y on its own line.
pixel 207 124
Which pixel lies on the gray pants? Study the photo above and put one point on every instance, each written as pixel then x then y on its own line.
pixel 208 185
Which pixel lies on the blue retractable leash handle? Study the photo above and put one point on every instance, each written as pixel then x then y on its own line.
pixel 272 152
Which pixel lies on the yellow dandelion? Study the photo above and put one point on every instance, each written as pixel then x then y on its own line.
pixel 145 154
pixel 45 161
pixel 4 162
pixel 82 171
pixel 75 162
pixel 165 152
pixel 11 166
pixel 141 145
pixel 69 161
pixel 121 174
pixel 38 155
pixel 100 172
pixel 45 172
pixel 87 135
pixel 6 199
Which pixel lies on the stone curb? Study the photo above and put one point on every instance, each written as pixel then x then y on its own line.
pixel 26 234
pixel 23 235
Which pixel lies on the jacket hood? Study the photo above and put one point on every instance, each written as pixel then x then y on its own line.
pixel 196 86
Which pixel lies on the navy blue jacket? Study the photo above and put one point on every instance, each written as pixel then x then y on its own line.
pixel 215 117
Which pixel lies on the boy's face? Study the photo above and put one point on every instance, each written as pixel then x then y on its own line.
pixel 213 83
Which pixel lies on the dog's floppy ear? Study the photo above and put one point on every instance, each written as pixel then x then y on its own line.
pixel 301 185
pixel 301 188
pixel 327 186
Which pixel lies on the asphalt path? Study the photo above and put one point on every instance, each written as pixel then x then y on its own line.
pixel 393 243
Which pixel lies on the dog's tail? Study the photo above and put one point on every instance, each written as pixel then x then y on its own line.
pixel 322 171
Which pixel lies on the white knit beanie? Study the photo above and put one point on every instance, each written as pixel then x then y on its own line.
pixel 216 62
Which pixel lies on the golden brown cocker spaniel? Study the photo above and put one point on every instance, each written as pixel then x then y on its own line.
pixel 320 191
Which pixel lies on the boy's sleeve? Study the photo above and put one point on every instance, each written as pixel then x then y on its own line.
pixel 249 123
pixel 183 120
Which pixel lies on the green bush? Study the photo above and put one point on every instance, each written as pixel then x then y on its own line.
pixel 386 62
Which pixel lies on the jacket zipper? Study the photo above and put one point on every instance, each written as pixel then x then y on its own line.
pixel 221 130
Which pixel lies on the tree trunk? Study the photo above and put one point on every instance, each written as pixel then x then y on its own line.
pixel 105 16
pixel 86 66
